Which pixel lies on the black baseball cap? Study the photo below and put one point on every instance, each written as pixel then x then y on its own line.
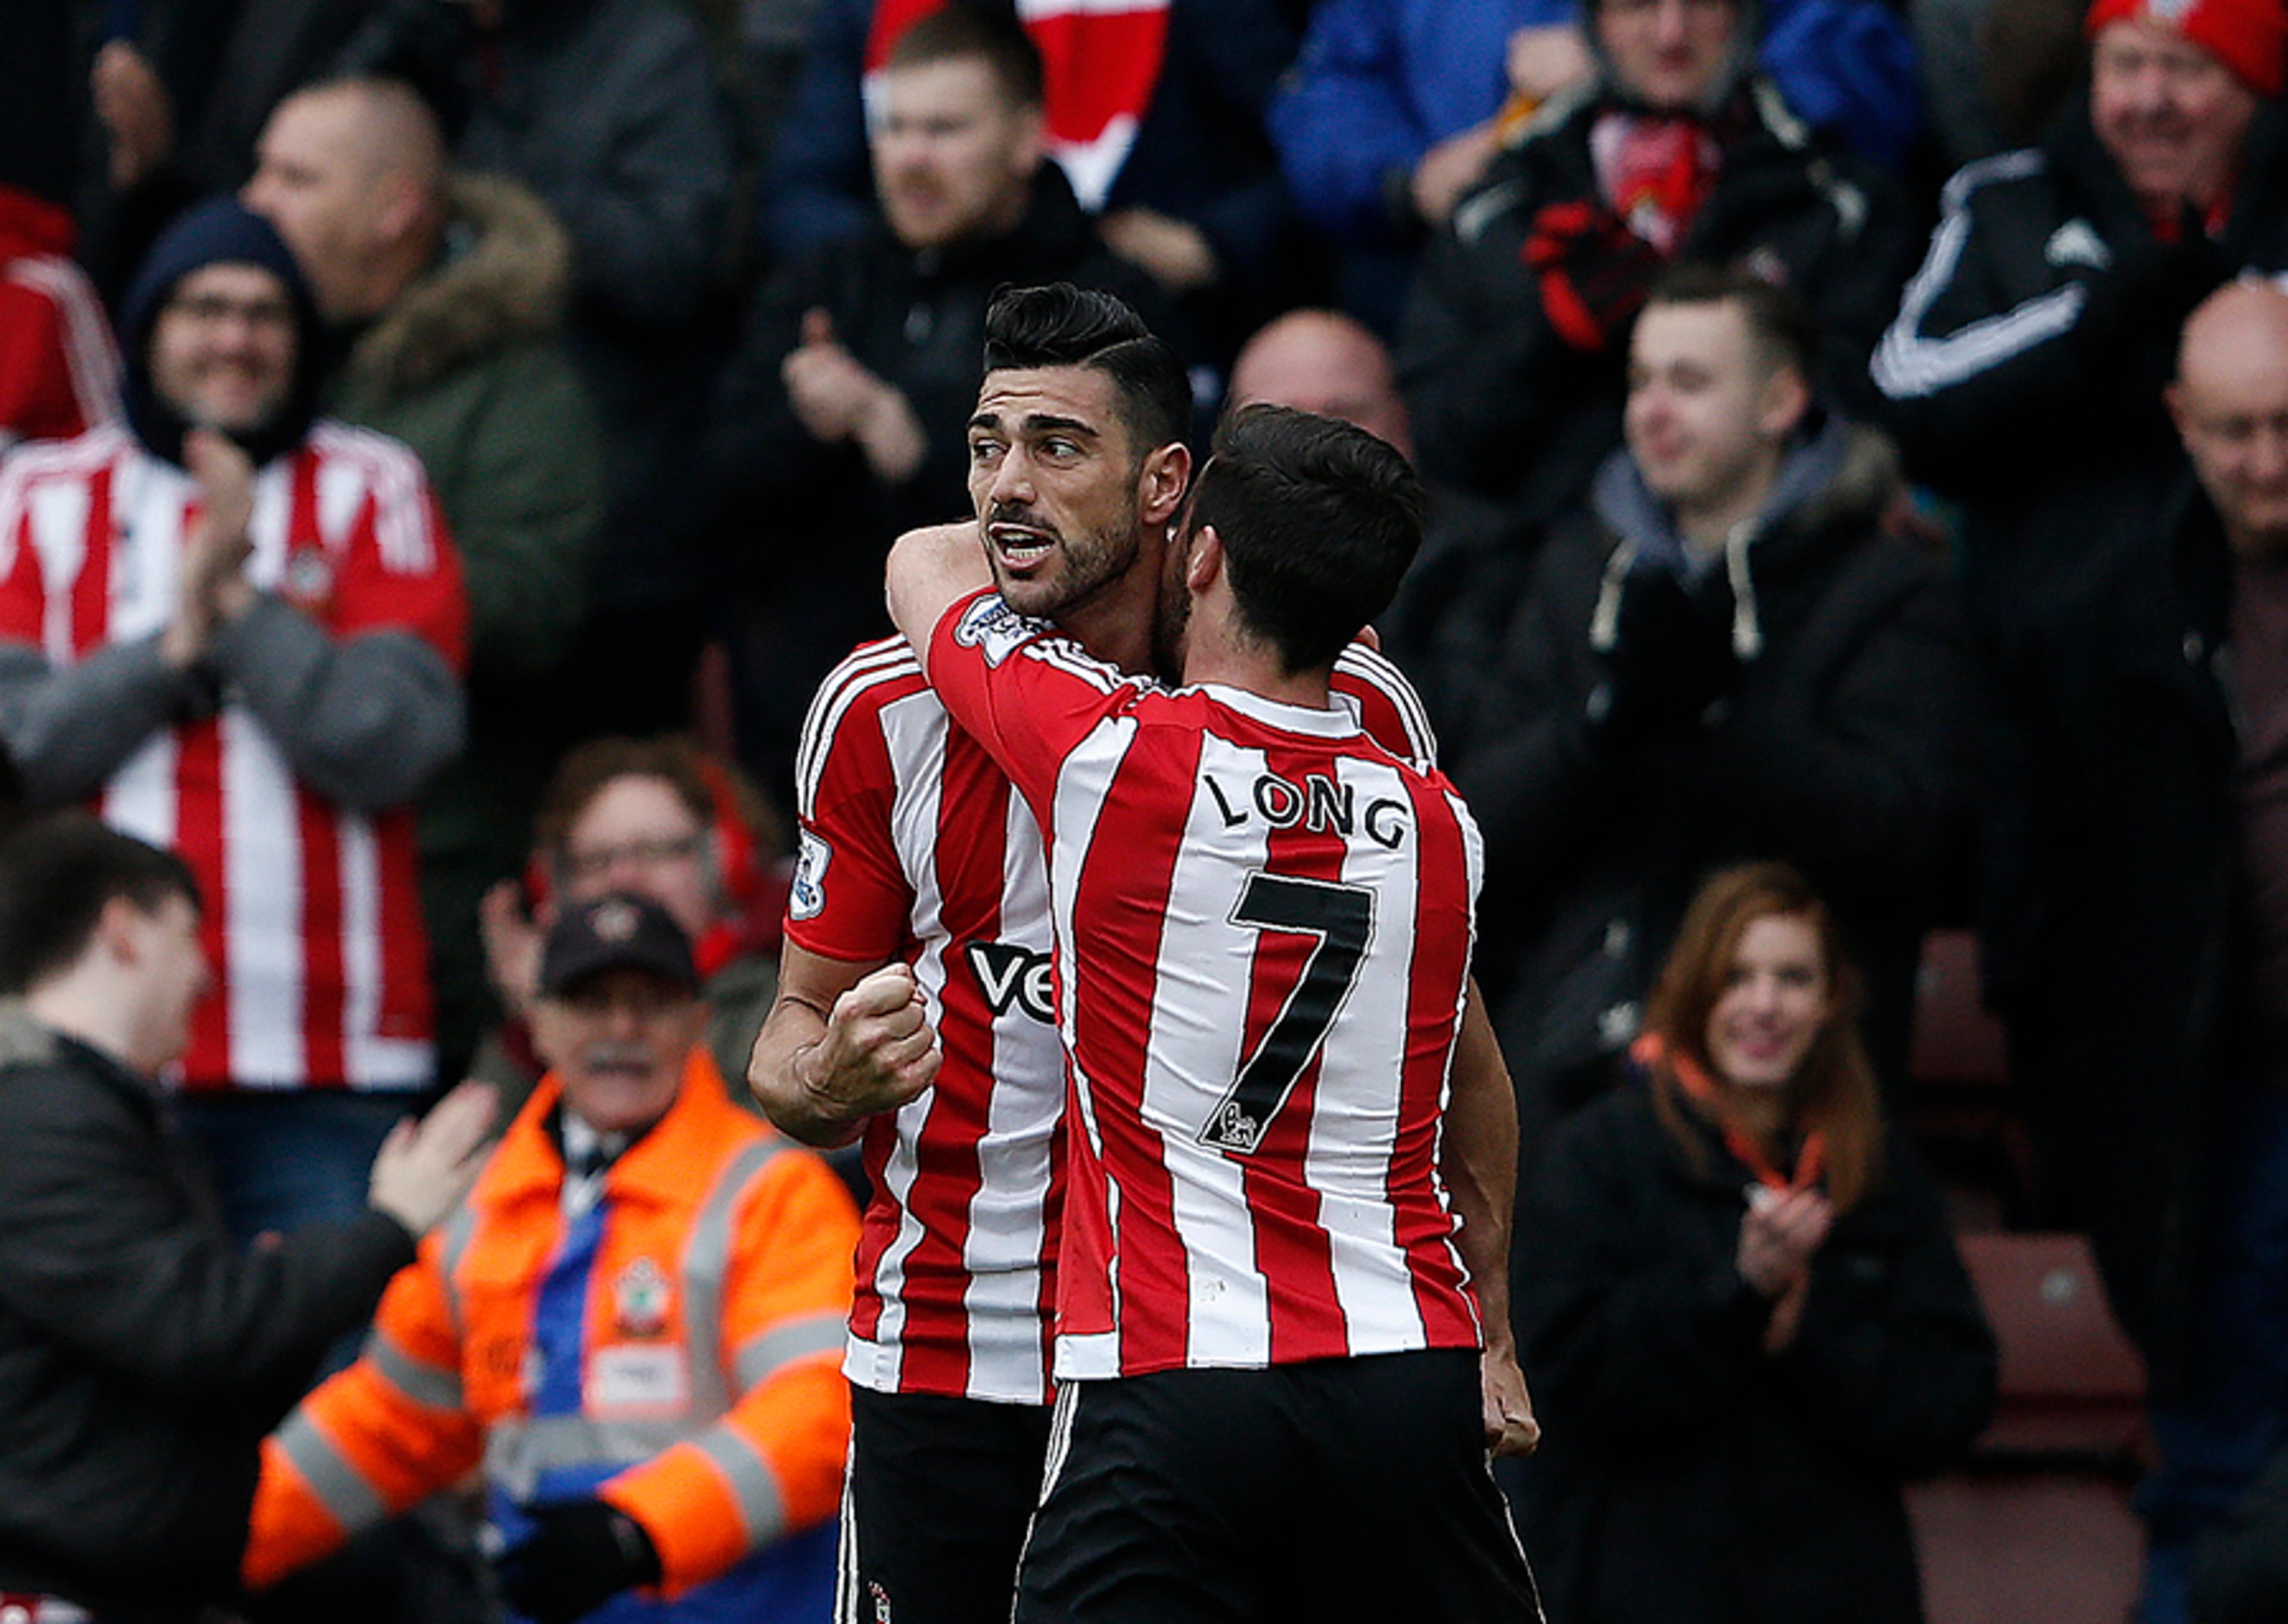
pixel 612 932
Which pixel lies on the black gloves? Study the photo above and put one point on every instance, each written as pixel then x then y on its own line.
pixel 1595 272
pixel 1671 659
pixel 580 1553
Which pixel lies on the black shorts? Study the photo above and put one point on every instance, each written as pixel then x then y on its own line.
pixel 935 1506
pixel 1336 1490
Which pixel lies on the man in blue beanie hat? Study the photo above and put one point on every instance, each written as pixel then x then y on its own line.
pixel 236 629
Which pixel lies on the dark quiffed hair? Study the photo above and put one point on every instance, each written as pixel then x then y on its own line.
pixel 1319 520
pixel 1835 1092
pixel 1780 324
pixel 964 30
pixel 1060 325
pixel 56 875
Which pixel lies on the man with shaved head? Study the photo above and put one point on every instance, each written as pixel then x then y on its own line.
pixel 443 293
pixel 2230 405
pixel 353 173
pixel 2223 1416
pixel 1323 361
pixel 2149 831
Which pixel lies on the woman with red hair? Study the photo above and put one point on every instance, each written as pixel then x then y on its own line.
pixel 1739 1302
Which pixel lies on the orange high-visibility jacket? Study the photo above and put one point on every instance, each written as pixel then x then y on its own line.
pixel 710 1350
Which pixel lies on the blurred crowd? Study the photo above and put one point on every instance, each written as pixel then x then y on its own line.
pixel 445 443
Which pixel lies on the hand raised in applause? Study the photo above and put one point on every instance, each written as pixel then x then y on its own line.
pixel 1543 59
pixel 1451 168
pixel 212 590
pixel 838 398
pixel 511 943
pixel 137 113
pixel 425 1168
pixel 1174 253
pixel 1779 1235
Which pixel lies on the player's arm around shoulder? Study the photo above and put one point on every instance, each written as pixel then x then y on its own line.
pixel 843 1042
pixel 930 571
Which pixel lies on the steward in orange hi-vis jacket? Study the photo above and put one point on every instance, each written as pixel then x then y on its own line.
pixel 661 1349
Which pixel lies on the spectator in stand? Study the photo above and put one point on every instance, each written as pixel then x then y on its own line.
pixel 442 296
pixel 2027 374
pixel 237 629
pixel 844 419
pixel 59 369
pixel 1154 113
pixel 181 89
pixel 611 112
pixel 1396 109
pixel 630 1326
pixel 1513 352
pixel 2024 371
pixel 1720 656
pixel 159 1353
pixel 1323 361
pixel 2144 819
pixel 658 818
pixel 1742 1308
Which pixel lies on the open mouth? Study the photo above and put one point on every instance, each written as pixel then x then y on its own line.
pixel 1019 546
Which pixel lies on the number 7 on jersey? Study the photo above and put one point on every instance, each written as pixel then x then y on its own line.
pixel 1342 918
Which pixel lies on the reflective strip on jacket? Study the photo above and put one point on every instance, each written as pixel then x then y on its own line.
pixel 679 1345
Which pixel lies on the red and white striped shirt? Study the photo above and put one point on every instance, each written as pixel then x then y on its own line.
pixel 915 848
pixel 1263 924
pixel 58 368
pixel 312 920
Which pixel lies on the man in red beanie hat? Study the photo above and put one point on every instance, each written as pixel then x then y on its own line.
pixel 2174 85
pixel 2026 376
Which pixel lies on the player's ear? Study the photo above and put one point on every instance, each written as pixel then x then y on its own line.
pixel 1204 561
pixel 1161 484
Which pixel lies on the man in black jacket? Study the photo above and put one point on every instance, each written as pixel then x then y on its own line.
pixel 2152 1031
pixel 1514 345
pixel 2026 374
pixel 1720 657
pixel 143 1356
pixel 844 420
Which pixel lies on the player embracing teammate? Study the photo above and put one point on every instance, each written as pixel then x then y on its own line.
pixel 1266 1330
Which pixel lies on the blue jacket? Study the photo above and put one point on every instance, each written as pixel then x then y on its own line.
pixel 1381 82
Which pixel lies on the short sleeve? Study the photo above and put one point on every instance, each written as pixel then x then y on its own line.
pixel 850 899
pixel 1024 693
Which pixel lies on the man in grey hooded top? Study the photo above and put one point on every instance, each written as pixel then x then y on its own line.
pixel 1720 656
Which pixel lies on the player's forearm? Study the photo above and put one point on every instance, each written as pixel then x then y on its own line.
pixel 1479 1164
pixel 785 1086
pixel 931 570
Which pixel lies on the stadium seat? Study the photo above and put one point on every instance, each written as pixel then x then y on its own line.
pixel 2072 1388
pixel 2026 1546
pixel 2037 1527
pixel 1956 1044
pixel 1958 1103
